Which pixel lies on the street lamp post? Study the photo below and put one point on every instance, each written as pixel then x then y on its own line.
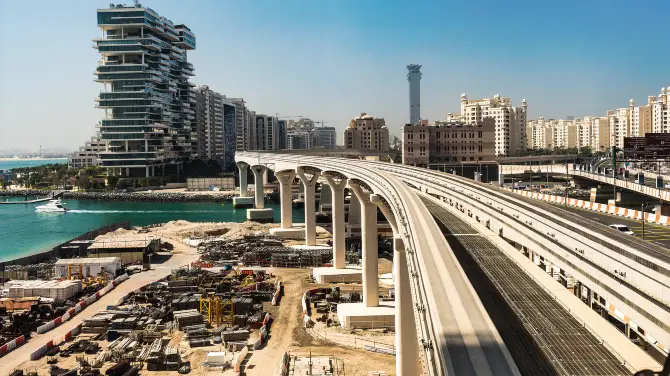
pixel 644 207
pixel 566 198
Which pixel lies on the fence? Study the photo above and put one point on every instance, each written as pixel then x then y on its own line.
pixel 355 342
pixel 205 184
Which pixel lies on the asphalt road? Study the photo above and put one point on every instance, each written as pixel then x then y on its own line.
pixel 658 234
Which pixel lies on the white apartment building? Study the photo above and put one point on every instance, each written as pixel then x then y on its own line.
pixel 87 155
pixel 510 134
pixel 660 111
pixel 540 133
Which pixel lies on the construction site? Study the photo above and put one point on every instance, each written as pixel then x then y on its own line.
pixel 233 303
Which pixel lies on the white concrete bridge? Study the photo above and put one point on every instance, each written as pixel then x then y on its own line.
pixel 439 318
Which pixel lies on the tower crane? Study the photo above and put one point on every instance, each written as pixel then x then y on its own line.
pixel 323 122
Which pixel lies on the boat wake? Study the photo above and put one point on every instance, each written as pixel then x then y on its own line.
pixel 76 211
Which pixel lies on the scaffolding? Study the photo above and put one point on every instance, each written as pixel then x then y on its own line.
pixel 302 259
pixel 217 311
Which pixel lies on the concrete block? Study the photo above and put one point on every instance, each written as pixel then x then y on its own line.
pixel 243 202
pixel 260 215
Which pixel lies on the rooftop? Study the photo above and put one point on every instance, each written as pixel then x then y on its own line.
pixel 133 243
pixel 91 260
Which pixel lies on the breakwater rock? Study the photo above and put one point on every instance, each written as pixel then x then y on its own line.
pixel 138 196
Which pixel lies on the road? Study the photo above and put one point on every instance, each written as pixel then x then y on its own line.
pixel 654 233
pixel 22 354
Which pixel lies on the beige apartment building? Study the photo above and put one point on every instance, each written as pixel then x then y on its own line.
pixel 510 121
pixel 366 132
pixel 569 133
pixel 448 141
pixel 660 111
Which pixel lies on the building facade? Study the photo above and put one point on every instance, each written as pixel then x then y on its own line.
pixel 447 142
pixel 601 133
pixel 208 131
pixel 299 139
pixel 366 132
pixel 414 79
pixel 510 121
pixel 325 137
pixel 660 111
pixel 148 100
pixel 264 132
pixel 87 155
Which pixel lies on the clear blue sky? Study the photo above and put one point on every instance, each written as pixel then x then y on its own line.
pixel 330 60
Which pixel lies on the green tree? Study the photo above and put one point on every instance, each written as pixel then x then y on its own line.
pixel 112 181
pixel 121 184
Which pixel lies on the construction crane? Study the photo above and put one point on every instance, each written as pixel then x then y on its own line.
pixel 288 117
pixel 323 122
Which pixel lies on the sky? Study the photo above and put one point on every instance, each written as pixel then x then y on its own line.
pixel 331 60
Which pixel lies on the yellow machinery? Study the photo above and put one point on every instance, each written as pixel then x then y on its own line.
pixel 77 273
pixel 248 280
pixel 217 311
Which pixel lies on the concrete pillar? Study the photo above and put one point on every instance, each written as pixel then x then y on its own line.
pixel 390 218
pixel 326 196
pixel 146 171
pixel 406 340
pixel 259 195
pixel 127 171
pixel 243 167
pixel 370 247
pixel 336 189
pixel 285 179
pixel 310 215
pixel 354 210
pixel 265 176
pixel 548 267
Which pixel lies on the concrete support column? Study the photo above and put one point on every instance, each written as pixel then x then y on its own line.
pixel 243 167
pixel 326 196
pixel 354 210
pixel 336 189
pixel 285 179
pixel 259 195
pixel 309 183
pixel 406 340
pixel 146 171
pixel 548 267
pixel 265 176
pixel 390 218
pixel 128 171
pixel 370 247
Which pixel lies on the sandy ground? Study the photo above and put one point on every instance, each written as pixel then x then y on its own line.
pixel 287 332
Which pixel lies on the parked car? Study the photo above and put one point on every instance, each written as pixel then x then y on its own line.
pixel 622 228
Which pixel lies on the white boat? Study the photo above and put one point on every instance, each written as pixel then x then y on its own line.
pixel 53 206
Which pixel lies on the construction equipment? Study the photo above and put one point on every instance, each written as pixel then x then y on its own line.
pixel 216 310
pixel 75 267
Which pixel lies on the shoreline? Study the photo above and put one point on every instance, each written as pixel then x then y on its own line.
pixel 7 159
pixel 156 196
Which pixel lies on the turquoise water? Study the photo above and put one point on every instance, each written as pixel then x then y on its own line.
pixel 22 231
pixel 8 165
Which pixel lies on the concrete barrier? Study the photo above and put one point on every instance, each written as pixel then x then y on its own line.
pixel 240 358
pixel 11 345
pixel 603 208
pixel 81 305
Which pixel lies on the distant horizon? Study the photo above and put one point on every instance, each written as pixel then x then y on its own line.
pixel 331 61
